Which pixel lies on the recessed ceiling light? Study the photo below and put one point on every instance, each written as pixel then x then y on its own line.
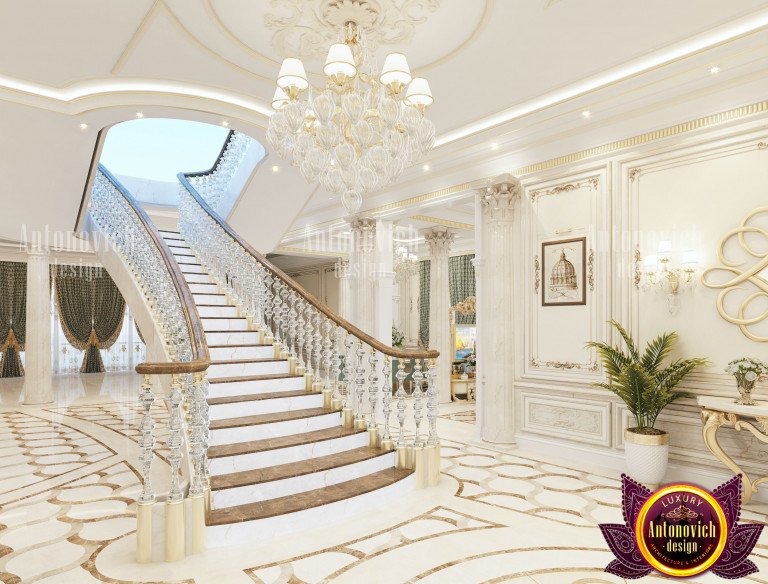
pixel 139 115
pixel 275 168
pixel 494 145
pixel 714 70
pixel 83 126
pixel 425 168
pixel 586 114
pixel 225 123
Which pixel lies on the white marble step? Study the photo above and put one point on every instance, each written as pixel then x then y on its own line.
pixel 241 495
pixel 246 433
pixel 252 456
pixel 191 269
pixel 248 368
pixel 210 298
pixel 208 311
pixel 224 324
pixel 197 278
pixel 203 287
pixel 178 246
pixel 232 337
pixel 255 407
pixel 227 534
pixel 255 351
pixel 221 387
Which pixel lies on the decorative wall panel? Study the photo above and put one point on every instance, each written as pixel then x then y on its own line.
pixel 579 420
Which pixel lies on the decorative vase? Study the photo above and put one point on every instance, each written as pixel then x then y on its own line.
pixel 647 456
pixel 745 388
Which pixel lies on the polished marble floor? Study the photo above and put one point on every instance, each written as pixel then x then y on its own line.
pixel 69 482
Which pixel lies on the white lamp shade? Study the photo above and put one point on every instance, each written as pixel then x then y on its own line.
pixel 292 74
pixel 395 70
pixel 279 100
pixel 340 61
pixel 418 92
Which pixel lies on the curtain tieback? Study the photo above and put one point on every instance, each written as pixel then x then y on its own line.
pixel 93 339
pixel 11 342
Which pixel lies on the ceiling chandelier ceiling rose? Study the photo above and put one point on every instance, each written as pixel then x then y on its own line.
pixel 362 129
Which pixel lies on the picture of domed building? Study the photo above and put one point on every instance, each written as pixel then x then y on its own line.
pixel 563 272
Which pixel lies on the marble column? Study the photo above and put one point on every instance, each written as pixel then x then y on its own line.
pixel 439 242
pixel 361 266
pixel 383 282
pixel 345 300
pixel 495 332
pixel 37 365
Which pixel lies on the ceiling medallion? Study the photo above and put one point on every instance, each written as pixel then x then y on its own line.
pixel 305 29
pixel 361 129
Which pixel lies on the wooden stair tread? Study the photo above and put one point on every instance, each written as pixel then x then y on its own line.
pixel 249 377
pixel 238 448
pixel 295 469
pixel 236 399
pixel 307 499
pixel 272 418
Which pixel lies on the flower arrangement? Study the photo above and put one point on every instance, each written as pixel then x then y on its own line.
pixel 398 338
pixel 746 371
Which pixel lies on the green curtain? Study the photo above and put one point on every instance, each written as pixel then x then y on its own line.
pixel 461 283
pixel 91 311
pixel 424 302
pixel 13 317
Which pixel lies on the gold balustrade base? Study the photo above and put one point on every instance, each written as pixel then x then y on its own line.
pixel 197 505
pixel 251 324
pixel 317 387
pixel 285 354
pixel 276 348
pixel 348 417
pixel 327 398
pixel 144 532
pixel 175 543
pixel 337 404
pixel 373 437
pixel 388 445
pixel 292 361
pixel 420 465
pixel 301 370
pixel 361 424
pixel 433 464
pixel 308 381
pixel 403 457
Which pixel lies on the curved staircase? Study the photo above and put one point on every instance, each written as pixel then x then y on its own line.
pixel 278 459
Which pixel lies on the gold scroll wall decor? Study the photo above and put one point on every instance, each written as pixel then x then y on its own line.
pixel 751 278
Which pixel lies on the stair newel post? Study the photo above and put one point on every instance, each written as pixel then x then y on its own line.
pixel 277 316
pixel 147 496
pixel 433 441
pixel 402 459
pixel 360 423
pixel 292 316
pixel 174 505
pixel 285 322
pixel 373 397
pixel 267 336
pixel 336 399
pixel 348 412
pixel 197 449
pixel 317 340
pixel 308 339
pixel 327 361
pixel 386 403
pixel 299 336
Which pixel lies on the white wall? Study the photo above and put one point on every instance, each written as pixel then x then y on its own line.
pixel 692 194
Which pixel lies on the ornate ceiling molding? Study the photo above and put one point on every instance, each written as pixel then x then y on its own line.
pixel 445 222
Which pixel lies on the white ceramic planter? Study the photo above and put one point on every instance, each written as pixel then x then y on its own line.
pixel 647 456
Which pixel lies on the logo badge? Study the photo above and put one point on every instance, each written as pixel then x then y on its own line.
pixel 681 530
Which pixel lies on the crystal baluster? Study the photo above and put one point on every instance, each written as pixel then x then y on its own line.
pixel 349 370
pixel 386 396
pixel 308 337
pixel 285 317
pixel 373 386
pixel 318 344
pixel 336 364
pixel 432 391
pixel 175 439
pixel 400 395
pixel 197 486
pixel 268 303
pixel 278 311
pixel 359 384
pixel 292 323
pixel 327 353
pixel 147 441
pixel 418 396
pixel 299 333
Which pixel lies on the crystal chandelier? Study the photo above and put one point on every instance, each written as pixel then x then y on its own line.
pixel 405 265
pixel 360 131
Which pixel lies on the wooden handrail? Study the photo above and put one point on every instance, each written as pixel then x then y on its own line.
pixel 349 327
pixel 200 357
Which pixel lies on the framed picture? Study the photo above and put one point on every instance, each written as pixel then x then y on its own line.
pixel 564 271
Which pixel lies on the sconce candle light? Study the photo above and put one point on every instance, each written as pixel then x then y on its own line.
pixel 660 272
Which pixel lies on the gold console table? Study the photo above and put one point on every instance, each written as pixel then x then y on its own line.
pixel 722 411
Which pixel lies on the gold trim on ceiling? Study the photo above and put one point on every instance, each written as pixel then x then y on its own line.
pixel 609 148
pixel 446 222
pixel 312 252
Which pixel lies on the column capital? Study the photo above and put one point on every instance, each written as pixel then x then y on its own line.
pixel 498 198
pixel 341 269
pixel 361 223
pixel 363 232
pixel 439 240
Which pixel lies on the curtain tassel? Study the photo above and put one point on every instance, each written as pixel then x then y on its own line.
pixel 92 362
pixel 10 365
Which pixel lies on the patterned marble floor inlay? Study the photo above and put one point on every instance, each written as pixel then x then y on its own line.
pixel 466 416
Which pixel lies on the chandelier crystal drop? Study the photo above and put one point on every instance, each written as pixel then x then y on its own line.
pixel 360 131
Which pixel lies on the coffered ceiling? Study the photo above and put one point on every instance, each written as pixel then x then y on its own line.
pixel 516 72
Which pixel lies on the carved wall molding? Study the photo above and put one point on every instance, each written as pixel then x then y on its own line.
pixel 740 277
pixel 592 182
pixel 634 173
pixel 536 273
pixel 591 270
pixel 565 365
pixel 575 419
pixel 638 270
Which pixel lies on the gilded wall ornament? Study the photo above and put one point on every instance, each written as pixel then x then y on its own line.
pixel 305 29
pixel 592 182
pixel 565 365
pixel 740 277
pixel 536 273
pixel 638 270
pixel 591 270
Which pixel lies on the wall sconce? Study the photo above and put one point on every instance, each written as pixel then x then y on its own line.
pixel 661 273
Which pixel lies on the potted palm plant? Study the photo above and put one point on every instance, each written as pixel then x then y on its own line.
pixel 647 386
